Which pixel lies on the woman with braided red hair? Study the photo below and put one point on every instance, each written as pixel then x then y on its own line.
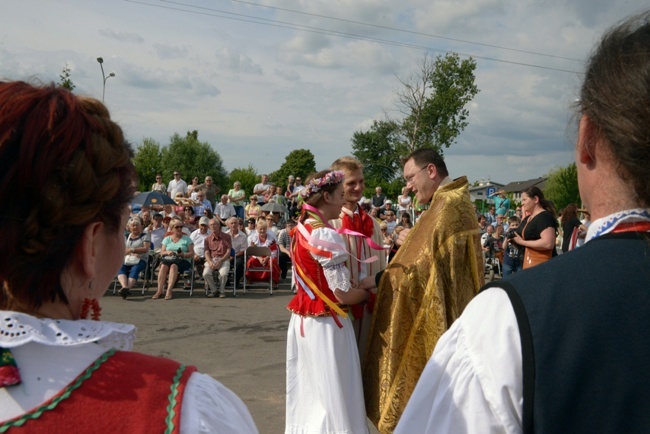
pixel 324 390
pixel 66 180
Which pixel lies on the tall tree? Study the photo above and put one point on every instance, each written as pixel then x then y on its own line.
pixel 148 162
pixel 193 158
pixel 379 150
pixel 434 101
pixel 562 186
pixel 64 79
pixel 299 162
pixel 248 177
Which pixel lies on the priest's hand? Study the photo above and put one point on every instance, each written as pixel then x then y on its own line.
pixel 402 236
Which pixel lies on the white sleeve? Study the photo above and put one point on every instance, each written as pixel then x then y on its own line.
pixel 334 268
pixel 473 381
pixel 210 407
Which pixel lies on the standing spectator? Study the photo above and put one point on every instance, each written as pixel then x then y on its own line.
pixel 491 215
pixel 482 224
pixel 284 244
pixel 217 258
pixel 293 198
pixel 224 210
pixel 586 221
pixel 236 197
pixel 404 201
pixel 263 190
pixel 501 221
pixel 569 221
pixel 501 202
pixel 210 190
pixel 537 232
pixel 239 242
pixel 379 199
pixel 159 185
pixel 278 197
pixel 513 254
pixel 177 185
pixel 518 213
pixel 564 347
pixel 193 188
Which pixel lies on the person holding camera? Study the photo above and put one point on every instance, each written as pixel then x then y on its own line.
pixel 513 253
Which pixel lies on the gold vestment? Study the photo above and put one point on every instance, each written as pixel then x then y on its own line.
pixel 426 286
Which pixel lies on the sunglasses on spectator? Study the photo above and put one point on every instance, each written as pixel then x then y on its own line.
pixel 178 227
pixel 177 174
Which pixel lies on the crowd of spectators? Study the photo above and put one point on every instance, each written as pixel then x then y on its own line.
pixel 505 229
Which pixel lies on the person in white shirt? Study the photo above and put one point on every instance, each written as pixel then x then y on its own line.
pixel 224 210
pixel 198 237
pixel 177 185
pixel 580 318
pixel 263 190
pixel 239 243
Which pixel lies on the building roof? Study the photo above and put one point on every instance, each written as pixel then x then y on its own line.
pixel 519 186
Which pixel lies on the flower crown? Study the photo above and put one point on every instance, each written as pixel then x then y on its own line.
pixel 316 184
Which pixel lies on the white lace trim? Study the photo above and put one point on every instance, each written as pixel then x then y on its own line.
pixel 337 276
pixel 17 329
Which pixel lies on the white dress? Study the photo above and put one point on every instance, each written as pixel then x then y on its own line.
pixel 324 387
pixel 50 354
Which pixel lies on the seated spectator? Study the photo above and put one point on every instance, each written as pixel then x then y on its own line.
pixel 198 237
pixel 145 215
pixel 284 244
pixel 218 248
pixel 224 210
pixel 203 203
pixel 239 242
pixel 405 220
pixel 135 259
pixel 253 210
pixel 156 232
pixel 263 240
pixel 391 220
pixel 388 207
pixel 250 227
pixel 176 249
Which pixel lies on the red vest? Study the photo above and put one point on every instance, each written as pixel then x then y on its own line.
pixel 122 392
pixel 301 303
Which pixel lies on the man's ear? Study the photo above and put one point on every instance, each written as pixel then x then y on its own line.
pixel 88 250
pixel 586 142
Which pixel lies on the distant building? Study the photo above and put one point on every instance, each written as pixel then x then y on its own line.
pixel 480 191
pixel 516 187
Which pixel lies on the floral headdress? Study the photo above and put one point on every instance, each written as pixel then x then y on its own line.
pixel 316 184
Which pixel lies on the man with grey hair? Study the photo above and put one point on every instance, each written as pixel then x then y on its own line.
pixel 217 258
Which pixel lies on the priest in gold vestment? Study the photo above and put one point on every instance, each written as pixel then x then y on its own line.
pixel 435 273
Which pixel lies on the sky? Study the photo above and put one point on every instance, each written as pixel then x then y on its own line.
pixel 261 78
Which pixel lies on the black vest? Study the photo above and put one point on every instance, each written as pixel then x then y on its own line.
pixel 584 321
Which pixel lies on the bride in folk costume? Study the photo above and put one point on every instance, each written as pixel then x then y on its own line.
pixel 324 391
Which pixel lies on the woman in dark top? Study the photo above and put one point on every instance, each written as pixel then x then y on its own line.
pixel 537 232
pixel 570 221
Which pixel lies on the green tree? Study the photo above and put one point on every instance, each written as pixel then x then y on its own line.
pixel 64 79
pixel 434 101
pixel 299 162
pixel 193 158
pixel 148 162
pixel 379 151
pixel 248 177
pixel 562 186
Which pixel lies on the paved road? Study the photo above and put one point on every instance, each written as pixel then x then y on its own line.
pixel 239 341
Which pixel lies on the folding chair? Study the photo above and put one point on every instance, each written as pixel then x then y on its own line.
pixel 258 251
pixel 232 273
pixel 189 274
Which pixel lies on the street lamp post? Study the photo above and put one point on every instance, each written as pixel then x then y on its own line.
pixel 104 77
